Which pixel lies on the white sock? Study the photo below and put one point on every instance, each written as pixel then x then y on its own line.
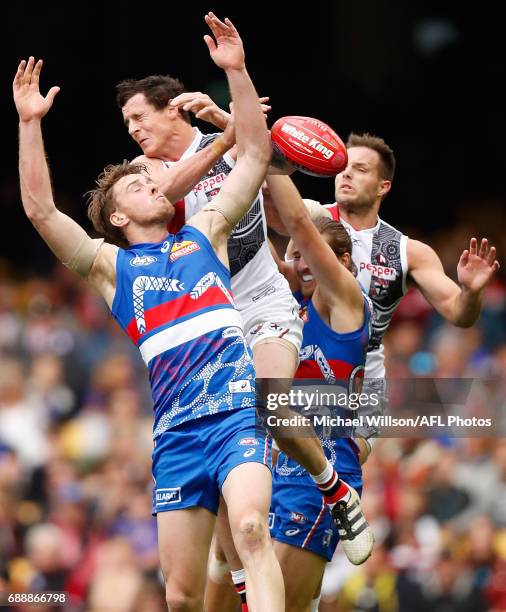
pixel 314 604
pixel 326 475
pixel 238 576
pixel 217 569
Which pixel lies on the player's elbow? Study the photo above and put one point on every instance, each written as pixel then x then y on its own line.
pixel 465 322
pixel 258 151
pixel 38 212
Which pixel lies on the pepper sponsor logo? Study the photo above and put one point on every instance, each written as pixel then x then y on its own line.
pixel 379 271
pixel 210 183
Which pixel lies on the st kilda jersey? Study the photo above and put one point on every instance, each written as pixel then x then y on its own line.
pixel 173 299
pixel 251 264
pixel 380 255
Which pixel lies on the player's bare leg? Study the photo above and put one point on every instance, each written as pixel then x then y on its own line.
pixel 221 595
pixel 275 364
pixel 247 492
pixel 184 538
pixel 302 574
pixel 277 359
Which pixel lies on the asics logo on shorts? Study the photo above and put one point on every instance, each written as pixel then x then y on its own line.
pixel 291 532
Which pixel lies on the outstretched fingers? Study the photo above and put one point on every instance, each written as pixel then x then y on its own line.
pixel 211 45
pixel 27 76
pixel 18 77
pixel 464 258
pixel 221 28
pixel 36 73
pixel 231 26
pixel 483 248
pixel 217 26
pixel 491 256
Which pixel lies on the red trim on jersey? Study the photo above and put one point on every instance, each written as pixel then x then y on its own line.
pixel 310 369
pixel 178 220
pixel 333 210
pixel 173 309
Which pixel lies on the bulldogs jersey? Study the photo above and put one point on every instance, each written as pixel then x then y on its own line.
pixel 252 267
pixel 173 299
pixel 338 359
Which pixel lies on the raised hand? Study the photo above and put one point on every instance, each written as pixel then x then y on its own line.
pixel 30 103
pixel 475 268
pixel 226 48
pixel 204 108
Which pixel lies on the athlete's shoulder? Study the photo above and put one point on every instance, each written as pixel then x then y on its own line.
pixel 421 254
pixel 149 162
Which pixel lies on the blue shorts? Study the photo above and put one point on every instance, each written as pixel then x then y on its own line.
pixel 299 516
pixel 192 461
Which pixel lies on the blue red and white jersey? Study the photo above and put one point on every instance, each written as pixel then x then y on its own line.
pixel 173 299
pixel 339 360
pixel 330 356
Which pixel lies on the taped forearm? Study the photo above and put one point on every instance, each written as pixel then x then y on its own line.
pixel 230 206
pixel 182 177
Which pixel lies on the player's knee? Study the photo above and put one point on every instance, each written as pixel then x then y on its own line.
pixel 253 535
pixel 180 599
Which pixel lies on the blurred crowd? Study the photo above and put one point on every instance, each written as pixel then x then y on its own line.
pixel 75 446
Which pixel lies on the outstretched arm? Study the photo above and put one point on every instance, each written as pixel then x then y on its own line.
pixel 182 176
pixel 64 236
pixel 337 287
pixel 458 305
pixel 253 143
pixel 204 108
pixel 336 284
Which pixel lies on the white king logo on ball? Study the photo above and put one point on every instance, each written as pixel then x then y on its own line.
pixel 314 143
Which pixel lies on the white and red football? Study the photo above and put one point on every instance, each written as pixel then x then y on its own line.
pixel 310 145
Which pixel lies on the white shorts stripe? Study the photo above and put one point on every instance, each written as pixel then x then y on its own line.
pixel 315 524
pixel 189 330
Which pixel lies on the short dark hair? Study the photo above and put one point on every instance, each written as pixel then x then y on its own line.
pixel 387 157
pixel 102 202
pixel 158 89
